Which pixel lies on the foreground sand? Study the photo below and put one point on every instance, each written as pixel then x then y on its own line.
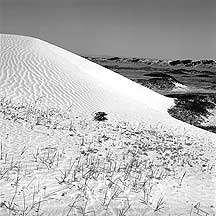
pixel 59 164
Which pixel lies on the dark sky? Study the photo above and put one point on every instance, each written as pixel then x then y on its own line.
pixel 143 28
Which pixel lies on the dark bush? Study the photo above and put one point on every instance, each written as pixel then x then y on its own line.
pixel 192 108
pixel 100 116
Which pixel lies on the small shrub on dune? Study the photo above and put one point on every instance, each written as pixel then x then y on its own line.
pixel 100 116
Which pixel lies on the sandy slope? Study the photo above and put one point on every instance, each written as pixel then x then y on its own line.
pixel 33 149
pixel 31 68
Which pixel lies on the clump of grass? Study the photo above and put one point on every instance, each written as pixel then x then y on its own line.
pixel 160 205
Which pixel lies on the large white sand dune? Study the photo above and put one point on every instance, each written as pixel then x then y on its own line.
pixel 31 68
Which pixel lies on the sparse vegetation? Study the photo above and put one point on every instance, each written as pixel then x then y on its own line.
pixel 162 83
pixel 193 109
pixel 91 170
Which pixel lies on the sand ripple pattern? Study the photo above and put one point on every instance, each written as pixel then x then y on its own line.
pixel 31 68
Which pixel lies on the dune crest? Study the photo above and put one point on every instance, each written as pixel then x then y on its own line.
pixel 31 68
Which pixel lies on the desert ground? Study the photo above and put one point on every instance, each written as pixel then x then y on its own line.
pixel 77 138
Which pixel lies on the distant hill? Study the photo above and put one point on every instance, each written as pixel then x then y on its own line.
pixel 186 63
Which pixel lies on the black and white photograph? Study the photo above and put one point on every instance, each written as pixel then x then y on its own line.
pixel 107 108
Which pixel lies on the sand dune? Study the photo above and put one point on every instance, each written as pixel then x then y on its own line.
pixel 31 68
